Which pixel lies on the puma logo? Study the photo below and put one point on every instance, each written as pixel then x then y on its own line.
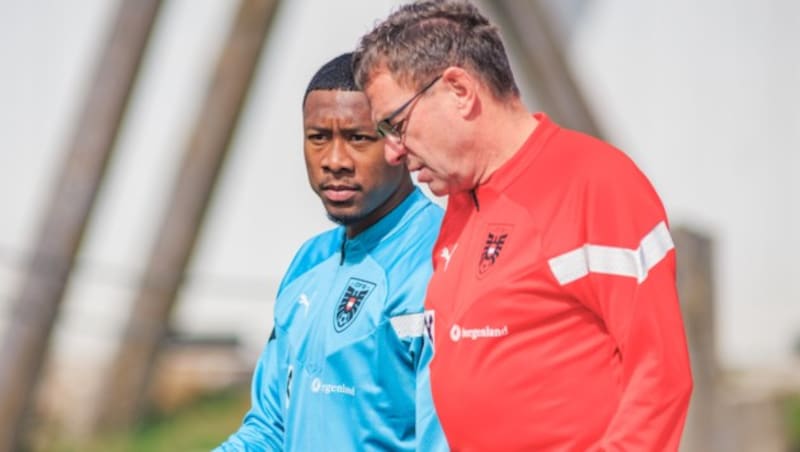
pixel 446 254
pixel 304 301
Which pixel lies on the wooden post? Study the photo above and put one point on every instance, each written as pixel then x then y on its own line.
pixel 27 336
pixel 694 254
pixel 529 25
pixel 147 325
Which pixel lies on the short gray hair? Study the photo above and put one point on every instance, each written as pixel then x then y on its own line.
pixel 420 40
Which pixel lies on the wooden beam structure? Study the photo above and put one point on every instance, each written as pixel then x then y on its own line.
pixel 530 25
pixel 124 399
pixel 695 252
pixel 24 347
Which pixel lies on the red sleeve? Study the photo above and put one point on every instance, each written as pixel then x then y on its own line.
pixel 625 273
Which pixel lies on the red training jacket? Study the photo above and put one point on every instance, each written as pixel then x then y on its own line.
pixel 553 307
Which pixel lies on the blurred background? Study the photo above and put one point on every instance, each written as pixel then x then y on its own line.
pixel 153 192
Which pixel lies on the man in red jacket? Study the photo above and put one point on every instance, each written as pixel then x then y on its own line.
pixel 552 308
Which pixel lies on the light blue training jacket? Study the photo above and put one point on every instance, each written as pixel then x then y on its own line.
pixel 346 366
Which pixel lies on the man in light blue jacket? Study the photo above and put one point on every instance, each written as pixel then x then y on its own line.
pixel 345 368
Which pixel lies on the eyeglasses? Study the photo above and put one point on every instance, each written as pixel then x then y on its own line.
pixel 385 127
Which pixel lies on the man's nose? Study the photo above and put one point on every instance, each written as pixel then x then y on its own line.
pixel 394 151
pixel 337 158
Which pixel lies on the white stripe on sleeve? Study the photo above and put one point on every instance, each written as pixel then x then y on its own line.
pixel 576 264
pixel 408 325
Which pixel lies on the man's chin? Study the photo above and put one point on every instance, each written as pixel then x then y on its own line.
pixel 344 219
pixel 343 213
pixel 438 188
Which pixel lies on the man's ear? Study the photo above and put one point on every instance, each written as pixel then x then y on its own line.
pixel 463 88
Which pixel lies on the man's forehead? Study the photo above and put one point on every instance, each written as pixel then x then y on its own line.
pixel 402 80
pixel 335 98
pixel 351 106
pixel 385 93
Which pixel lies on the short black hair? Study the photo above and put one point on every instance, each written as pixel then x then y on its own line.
pixel 336 74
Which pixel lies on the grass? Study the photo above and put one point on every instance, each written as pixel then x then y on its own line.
pixel 198 427
pixel 204 424
pixel 792 416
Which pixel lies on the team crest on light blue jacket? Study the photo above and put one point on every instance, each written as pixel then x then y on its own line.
pixel 355 293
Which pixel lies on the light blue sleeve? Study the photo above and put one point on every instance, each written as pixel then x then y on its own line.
pixel 430 437
pixel 262 427
pixel 429 434
pixel 414 276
